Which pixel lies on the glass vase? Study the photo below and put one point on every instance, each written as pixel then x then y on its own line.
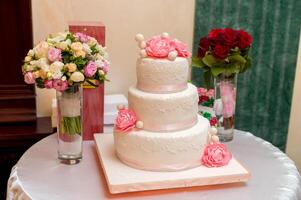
pixel 224 105
pixel 69 125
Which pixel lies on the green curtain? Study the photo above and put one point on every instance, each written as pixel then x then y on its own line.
pixel 265 91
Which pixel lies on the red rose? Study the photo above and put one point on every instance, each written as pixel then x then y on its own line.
pixel 213 121
pixel 203 46
pixel 245 39
pixel 220 51
pixel 215 36
pixel 203 99
pixel 230 37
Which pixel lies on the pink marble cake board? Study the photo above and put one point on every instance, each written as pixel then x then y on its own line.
pixel 122 178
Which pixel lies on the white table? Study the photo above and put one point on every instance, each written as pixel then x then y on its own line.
pixel 38 175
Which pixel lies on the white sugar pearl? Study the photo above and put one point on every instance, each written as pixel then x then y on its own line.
pixel 139 37
pixel 143 53
pixel 142 44
pixel 139 124
pixel 213 130
pixel 172 55
pixel 120 107
pixel 165 35
pixel 214 139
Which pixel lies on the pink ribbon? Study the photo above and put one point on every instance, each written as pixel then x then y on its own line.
pixel 161 88
pixel 170 127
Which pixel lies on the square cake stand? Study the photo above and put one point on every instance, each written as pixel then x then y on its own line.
pixel 122 178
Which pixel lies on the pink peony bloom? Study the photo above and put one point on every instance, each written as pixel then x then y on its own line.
pixel 228 96
pixel 105 66
pixel 90 69
pixel 54 54
pixel 216 155
pixel 182 49
pixel 126 120
pixel 48 84
pixel 29 78
pixel 82 37
pixel 159 47
pixel 60 85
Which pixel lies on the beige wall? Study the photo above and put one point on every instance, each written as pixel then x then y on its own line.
pixel 294 133
pixel 123 19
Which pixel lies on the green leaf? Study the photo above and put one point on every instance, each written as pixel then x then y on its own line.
pixel 197 62
pixel 217 71
pixel 247 65
pixel 71 37
pixel 237 58
pixel 209 60
pixel 207 78
pixel 231 69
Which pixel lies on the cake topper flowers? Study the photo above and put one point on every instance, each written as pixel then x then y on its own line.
pixel 126 120
pixel 162 46
pixel 65 59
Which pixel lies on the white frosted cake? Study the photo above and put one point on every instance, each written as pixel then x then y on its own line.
pixel 161 130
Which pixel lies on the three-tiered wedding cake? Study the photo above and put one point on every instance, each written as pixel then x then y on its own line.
pixel 161 130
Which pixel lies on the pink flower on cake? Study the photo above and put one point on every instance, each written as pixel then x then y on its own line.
pixel 82 37
pixel 216 155
pixel 182 49
pixel 159 47
pixel 60 85
pixel 29 78
pixel 90 69
pixel 48 84
pixel 126 120
pixel 54 54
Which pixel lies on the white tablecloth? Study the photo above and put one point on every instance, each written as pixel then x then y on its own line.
pixel 38 175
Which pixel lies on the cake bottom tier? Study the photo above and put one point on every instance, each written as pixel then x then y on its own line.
pixel 157 151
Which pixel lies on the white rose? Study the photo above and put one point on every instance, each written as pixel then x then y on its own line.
pixel 86 48
pixel 77 46
pixel 56 69
pixel 27 58
pixel 64 45
pixel 57 38
pixel 30 53
pixel 41 49
pixel 43 64
pixel 92 42
pixel 77 77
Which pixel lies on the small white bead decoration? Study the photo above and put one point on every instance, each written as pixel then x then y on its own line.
pixel 139 124
pixel 172 55
pixel 214 139
pixel 165 35
pixel 143 53
pixel 120 107
pixel 139 37
pixel 142 44
pixel 213 130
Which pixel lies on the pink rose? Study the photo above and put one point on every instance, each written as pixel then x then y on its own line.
pixel 126 120
pixel 48 84
pixel 29 78
pixel 182 49
pixel 202 91
pixel 105 66
pixel 216 155
pixel 90 69
pixel 210 93
pixel 228 96
pixel 60 85
pixel 54 54
pixel 82 37
pixel 159 47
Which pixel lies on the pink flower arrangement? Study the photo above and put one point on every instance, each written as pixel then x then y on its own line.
pixel 216 155
pixel 161 46
pixel 126 120
pixel 90 69
pixel 54 54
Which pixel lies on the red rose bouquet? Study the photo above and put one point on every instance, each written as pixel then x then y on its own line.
pixel 223 51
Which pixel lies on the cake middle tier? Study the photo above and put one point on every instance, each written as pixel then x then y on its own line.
pixel 165 112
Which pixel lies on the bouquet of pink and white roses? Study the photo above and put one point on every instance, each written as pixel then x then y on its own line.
pixel 65 59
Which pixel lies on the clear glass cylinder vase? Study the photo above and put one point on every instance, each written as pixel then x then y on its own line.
pixel 224 105
pixel 69 124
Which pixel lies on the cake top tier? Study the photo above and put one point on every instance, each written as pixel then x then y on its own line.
pixel 162 46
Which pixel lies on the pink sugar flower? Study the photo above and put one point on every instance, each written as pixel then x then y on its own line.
pixel 126 120
pixel 82 37
pixel 60 85
pixel 159 47
pixel 182 49
pixel 90 69
pixel 216 155
pixel 48 84
pixel 29 78
pixel 54 54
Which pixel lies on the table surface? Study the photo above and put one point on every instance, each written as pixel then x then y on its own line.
pixel 39 175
